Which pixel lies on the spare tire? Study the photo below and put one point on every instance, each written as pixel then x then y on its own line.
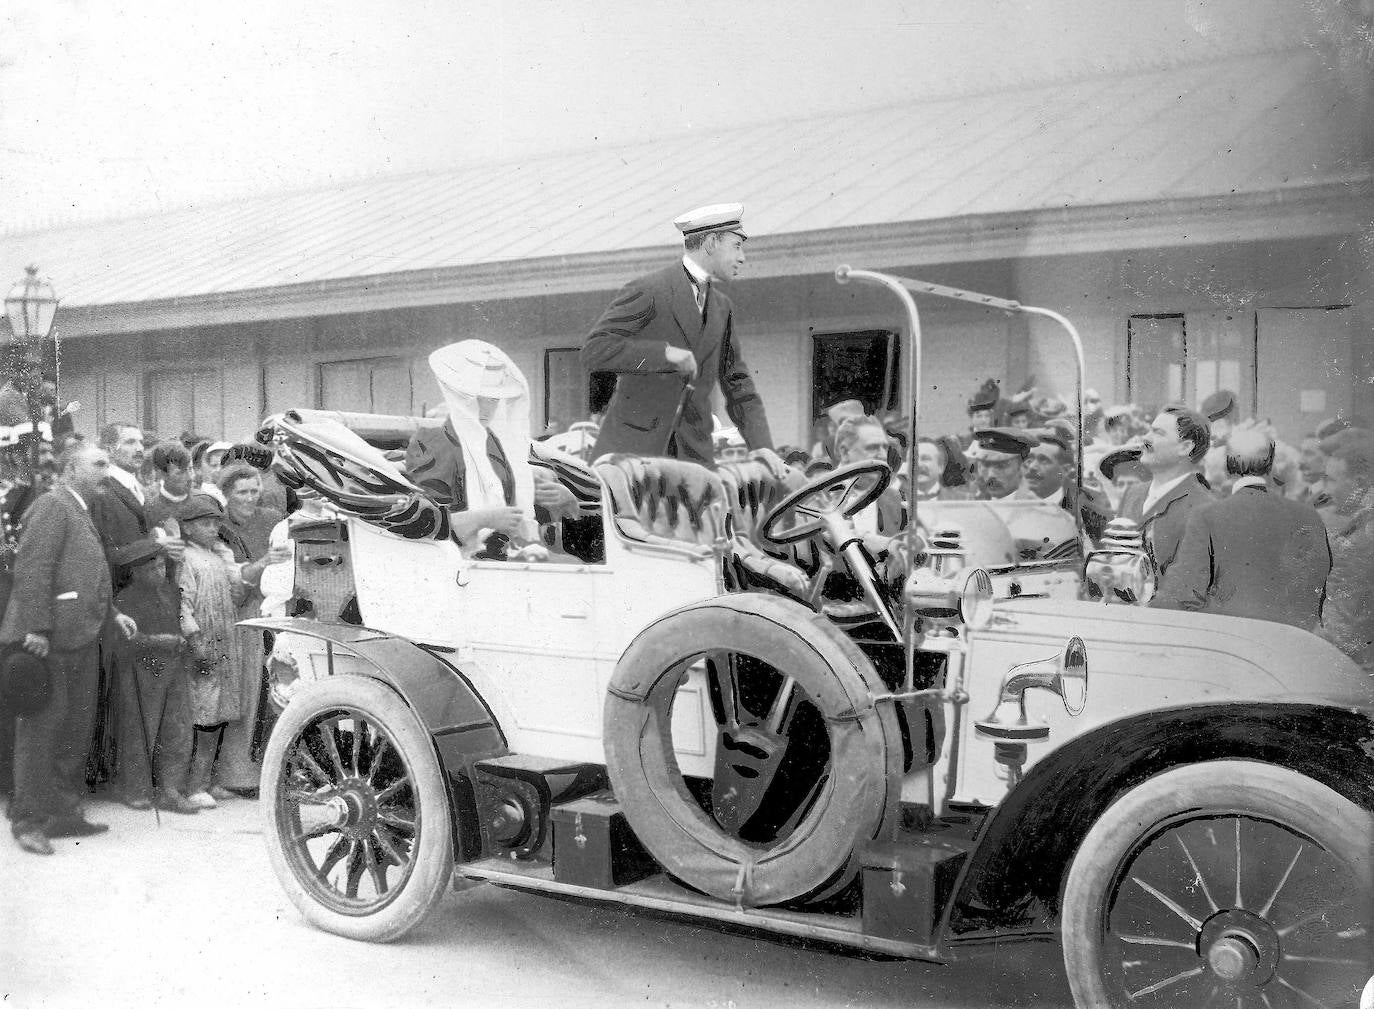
pixel 852 799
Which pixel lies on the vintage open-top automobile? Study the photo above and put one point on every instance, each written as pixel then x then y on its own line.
pixel 693 720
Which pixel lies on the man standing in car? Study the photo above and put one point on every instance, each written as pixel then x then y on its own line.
pixel 669 337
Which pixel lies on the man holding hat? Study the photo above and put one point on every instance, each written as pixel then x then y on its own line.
pixel 669 337
pixel 61 601
pixel 997 455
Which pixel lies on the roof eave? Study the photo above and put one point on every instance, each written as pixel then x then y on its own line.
pixel 1332 208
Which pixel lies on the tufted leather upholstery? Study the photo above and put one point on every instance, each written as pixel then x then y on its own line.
pixel 753 488
pixel 665 500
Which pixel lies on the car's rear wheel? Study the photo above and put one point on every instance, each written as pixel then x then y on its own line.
pixel 358 825
pixel 1228 883
pixel 807 763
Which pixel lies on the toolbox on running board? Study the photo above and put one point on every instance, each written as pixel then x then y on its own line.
pixel 594 846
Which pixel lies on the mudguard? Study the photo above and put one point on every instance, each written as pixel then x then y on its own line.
pixel 1012 883
pixel 448 707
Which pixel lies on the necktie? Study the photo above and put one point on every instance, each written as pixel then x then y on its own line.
pixel 496 454
pixel 703 291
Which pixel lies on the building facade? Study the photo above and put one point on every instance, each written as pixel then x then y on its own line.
pixel 1203 226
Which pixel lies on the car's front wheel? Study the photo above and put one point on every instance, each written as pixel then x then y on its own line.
pixel 1228 883
pixel 358 827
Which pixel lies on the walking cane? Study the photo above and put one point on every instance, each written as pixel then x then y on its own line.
pixel 143 732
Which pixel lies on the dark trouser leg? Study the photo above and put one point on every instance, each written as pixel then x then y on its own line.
pixel 31 806
pixel 139 705
pixel 81 669
pixel 102 751
pixel 172 751
pixel 50 746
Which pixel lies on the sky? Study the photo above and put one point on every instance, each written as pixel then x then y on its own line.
pixel 112 109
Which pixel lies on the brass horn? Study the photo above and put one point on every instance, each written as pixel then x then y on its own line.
pixel 1064 675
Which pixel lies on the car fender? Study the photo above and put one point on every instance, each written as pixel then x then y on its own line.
pixel 431 683
pixel 1011 884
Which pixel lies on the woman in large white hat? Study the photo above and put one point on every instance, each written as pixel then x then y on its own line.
pixel 477 463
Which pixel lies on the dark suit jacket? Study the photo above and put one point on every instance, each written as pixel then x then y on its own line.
pixel 118 516
pixel 631 338
pixel 1167 518
pixel 1254 554
pixel 59 555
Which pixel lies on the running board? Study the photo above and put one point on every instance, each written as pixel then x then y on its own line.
pixel 659 893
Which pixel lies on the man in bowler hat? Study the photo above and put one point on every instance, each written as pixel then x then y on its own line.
pixel 669 337
pixel 61 601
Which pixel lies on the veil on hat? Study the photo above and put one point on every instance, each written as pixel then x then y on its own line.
pixel 474 370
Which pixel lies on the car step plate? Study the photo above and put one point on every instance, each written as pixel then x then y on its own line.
pixel 659 893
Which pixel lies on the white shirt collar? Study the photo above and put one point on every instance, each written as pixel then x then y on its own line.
pixel 122 476
pixel 1158 490
pixel 698 275
pixel 79 499
pixel 168 497
pixel 1056 498
pixel 1250 481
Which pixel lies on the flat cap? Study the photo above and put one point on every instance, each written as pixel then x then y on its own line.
pixel 1053 435
pixel 714 217
pixel 996 442
pixel 1219 404
pixel 200 506
pixel 136 552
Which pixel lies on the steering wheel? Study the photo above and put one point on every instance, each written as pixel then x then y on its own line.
pixel 845 491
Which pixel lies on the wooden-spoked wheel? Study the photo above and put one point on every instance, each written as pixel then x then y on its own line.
pixel 1228 883
pixel 358 824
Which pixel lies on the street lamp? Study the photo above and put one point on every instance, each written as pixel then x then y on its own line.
pixel 31 308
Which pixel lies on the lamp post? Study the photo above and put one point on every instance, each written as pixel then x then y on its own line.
pixel 31 308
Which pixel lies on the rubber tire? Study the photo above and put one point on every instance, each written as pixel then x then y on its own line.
pixel 1243 786
pixel 819 857
pixel 433 868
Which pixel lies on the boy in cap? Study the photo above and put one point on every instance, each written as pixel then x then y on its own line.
pixel 210 594
pixel 669 337
pixel 155 693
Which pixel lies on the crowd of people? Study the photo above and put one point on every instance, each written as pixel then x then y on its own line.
pixel 125 572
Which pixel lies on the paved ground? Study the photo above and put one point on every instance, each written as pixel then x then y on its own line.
pixel 190 915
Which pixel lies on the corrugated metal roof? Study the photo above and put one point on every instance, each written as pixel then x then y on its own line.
pixel 1256 124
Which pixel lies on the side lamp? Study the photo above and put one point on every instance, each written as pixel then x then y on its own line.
pixel 1120 567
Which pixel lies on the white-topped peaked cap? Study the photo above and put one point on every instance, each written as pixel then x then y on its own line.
pixel 716 217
